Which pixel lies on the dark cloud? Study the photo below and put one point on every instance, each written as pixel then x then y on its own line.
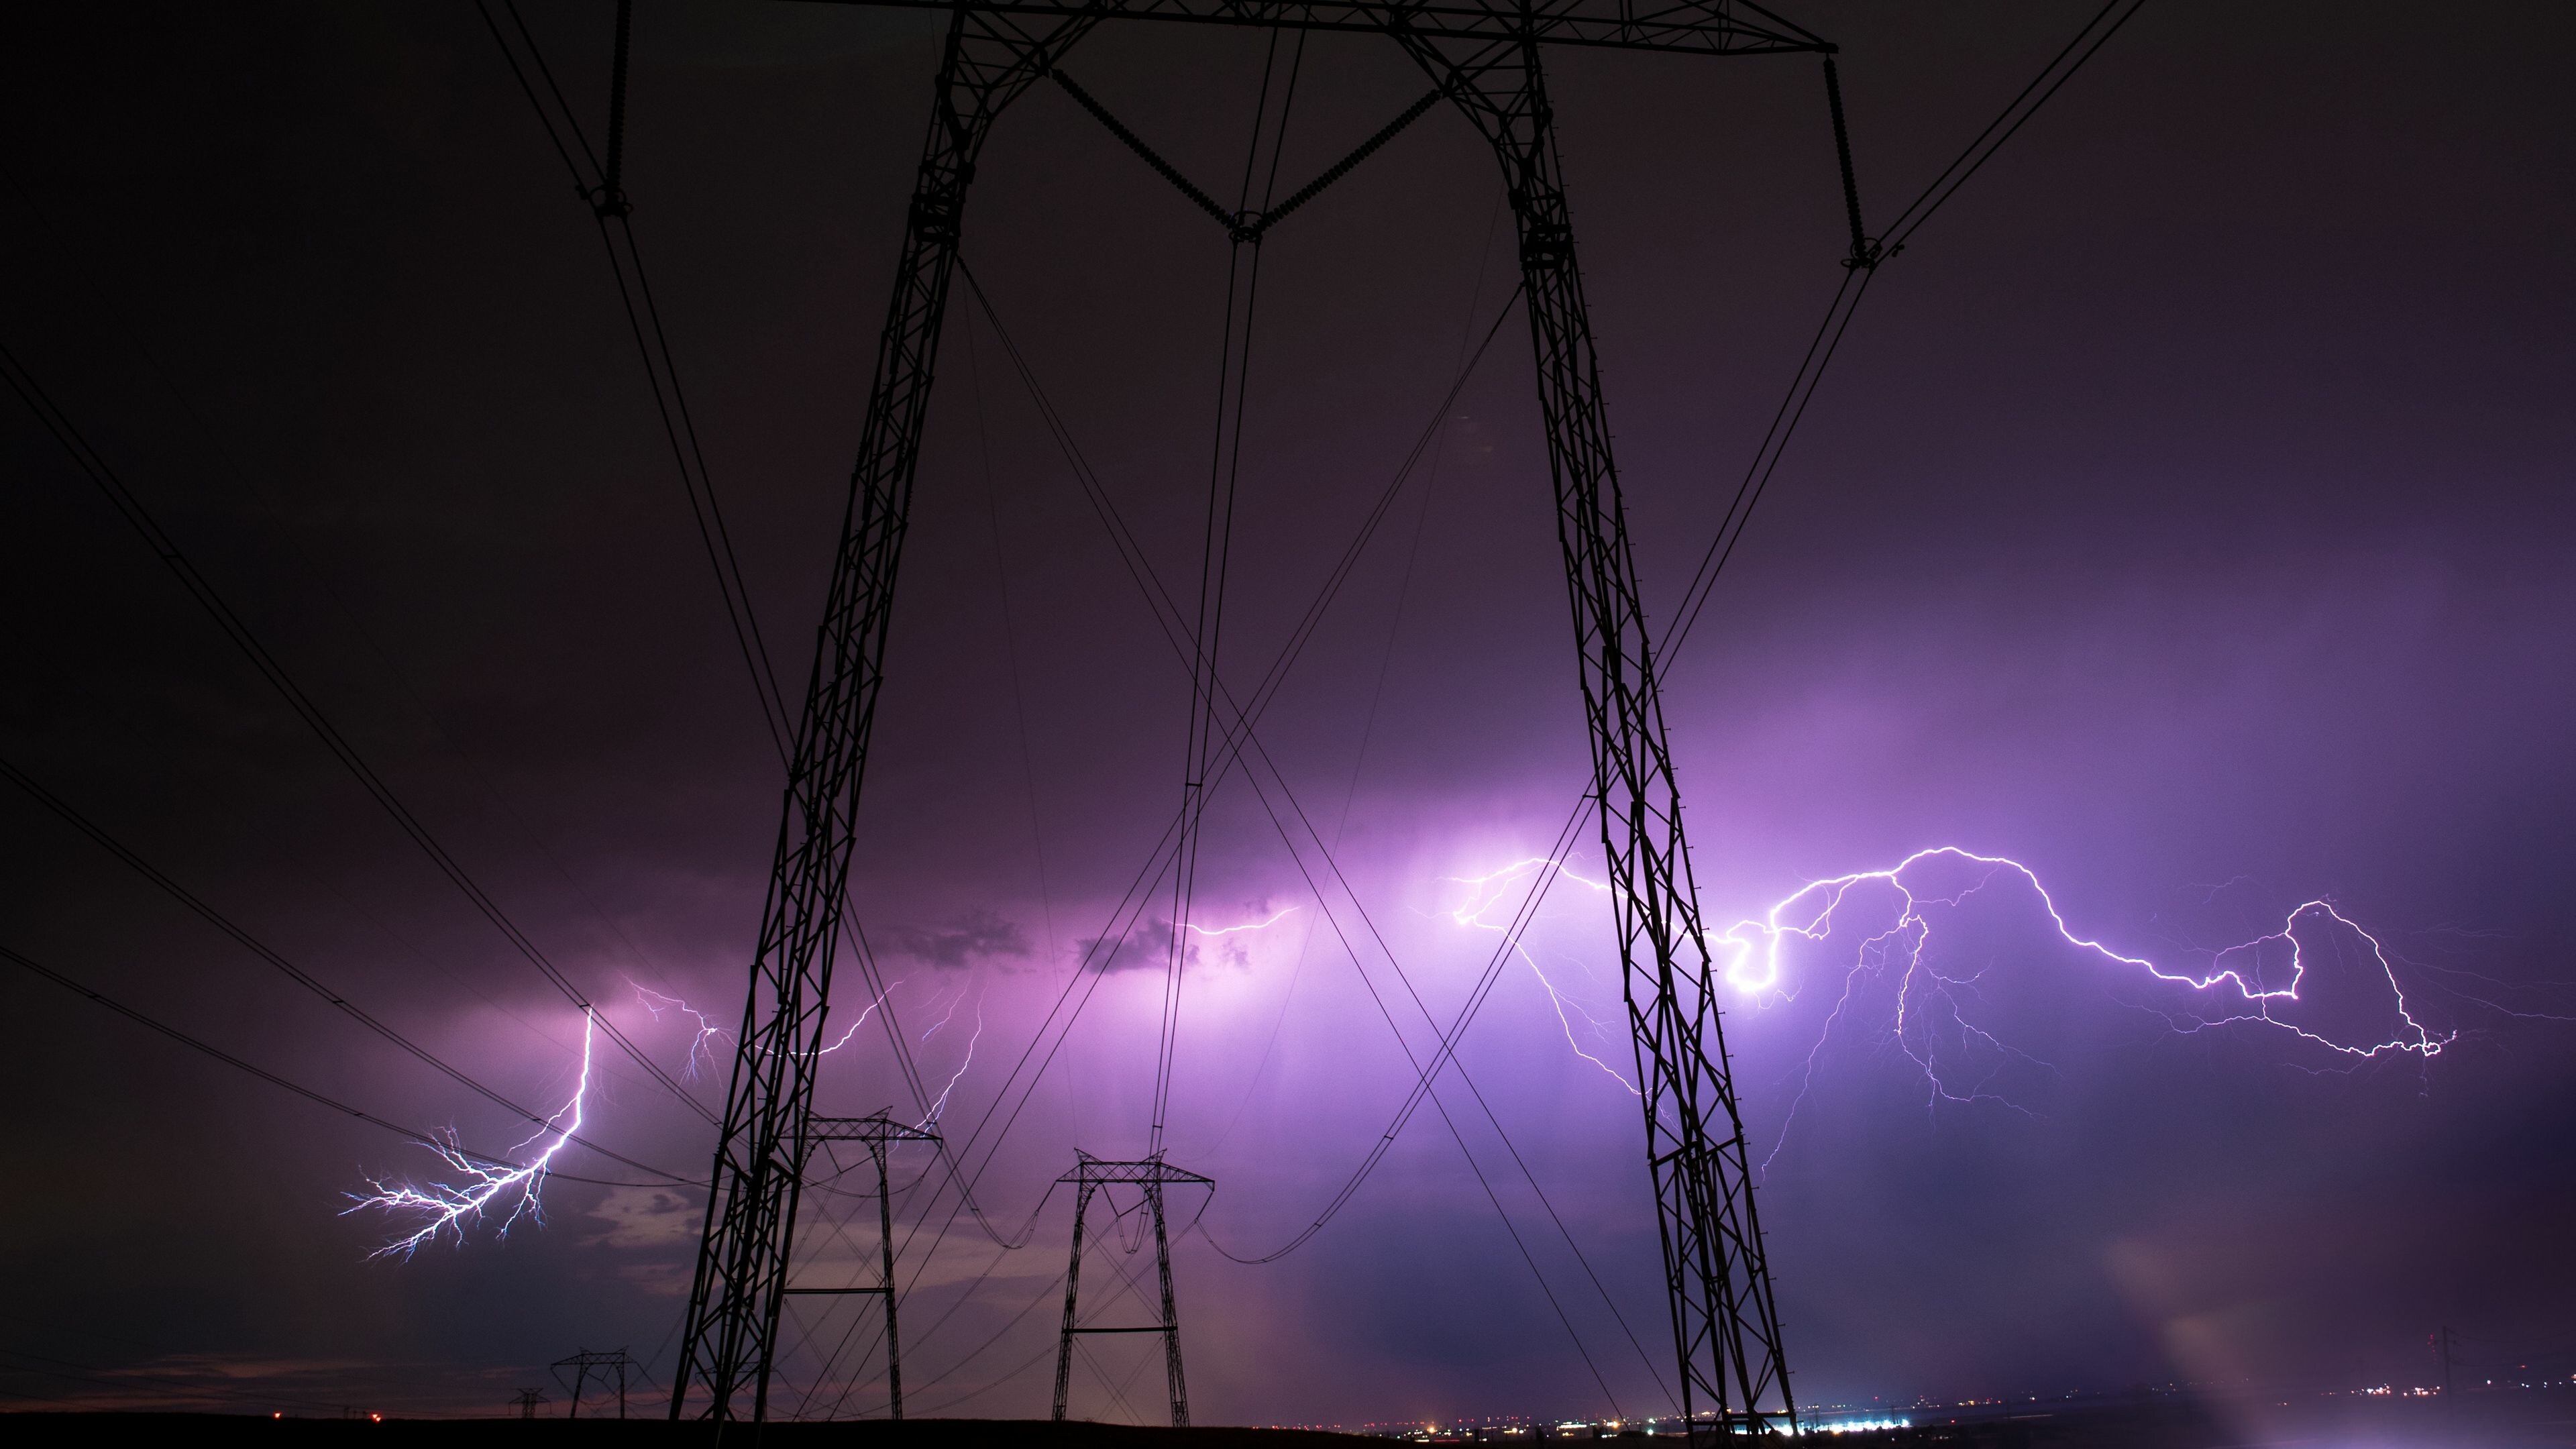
pixel 1146 944
pixel 975 936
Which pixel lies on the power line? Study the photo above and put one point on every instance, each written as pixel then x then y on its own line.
pixel 293 972
pixel 1241 734
pixel 2015 115
pixel 317 1098
pixel 76 264
pixel 1131 555
pixel 234 628
pixel 602 189
pixel 1785 419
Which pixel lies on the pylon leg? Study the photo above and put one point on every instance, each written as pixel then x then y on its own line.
pixel 1726 1329
pixel 1171 1312
pixel 885 1242
pixel 731 1331
pixel 1072 1303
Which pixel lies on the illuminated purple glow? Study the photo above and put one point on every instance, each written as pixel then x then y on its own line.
pixel 1751 954
pixel 1484 892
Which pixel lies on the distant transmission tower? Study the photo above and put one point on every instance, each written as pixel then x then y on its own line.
pixel 1484 57
pixel 583 1364
pixel 877 1133
pixel 527 1401
pixel 1091 1175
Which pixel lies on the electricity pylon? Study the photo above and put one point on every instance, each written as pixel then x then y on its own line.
pixel 1484 56
pixel 1150 1176
pixel 877 1132
pixel 584 1363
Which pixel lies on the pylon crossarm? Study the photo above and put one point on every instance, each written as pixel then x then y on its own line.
pixel 873 1129
pixel 1093 1171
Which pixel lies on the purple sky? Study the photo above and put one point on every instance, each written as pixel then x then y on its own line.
pixel 2186 518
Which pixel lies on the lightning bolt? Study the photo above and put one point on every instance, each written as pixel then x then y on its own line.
pixel 2257 981
pixel 1755 966
pixel 953 1003
pixel 1281 915
pixel 450 1208
pixel 2233 978
pixel 940 1106
pixel 1484 892
pixel 657 1003
pixel 860 1020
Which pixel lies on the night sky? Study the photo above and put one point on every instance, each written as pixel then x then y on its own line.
pixel 2185 517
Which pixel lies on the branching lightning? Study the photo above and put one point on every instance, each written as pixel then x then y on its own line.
pixel 1755 966
pixel 2234 978
pixel 953 1003
pixel 1484 893
pixel 657 1003
pixel 447 1208
pixel 699 1046
pixel 1275 918
pixel 941 1106
pixel 2257 981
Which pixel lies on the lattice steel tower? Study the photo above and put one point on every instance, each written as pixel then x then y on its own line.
pixel 877 1132
pixel 1149 1177
pixel 1484 56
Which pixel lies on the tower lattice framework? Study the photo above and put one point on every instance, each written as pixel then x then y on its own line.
pixel 1485 56
pixel 1149 1176
pixel 876 1133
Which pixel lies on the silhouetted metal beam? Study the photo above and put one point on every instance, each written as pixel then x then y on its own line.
pixel 1696 27
pixel 1726 1324
pixel 729 1341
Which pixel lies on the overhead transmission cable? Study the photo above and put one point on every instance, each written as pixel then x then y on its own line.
pixel 298 974
pixel 1216 552
pixel 602 189
pixel 251 488
pixel 319 1099
pixel 1131 554
pixel 131 508
pixel 1089 972
pixel 1240 734
pixel 1821 347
